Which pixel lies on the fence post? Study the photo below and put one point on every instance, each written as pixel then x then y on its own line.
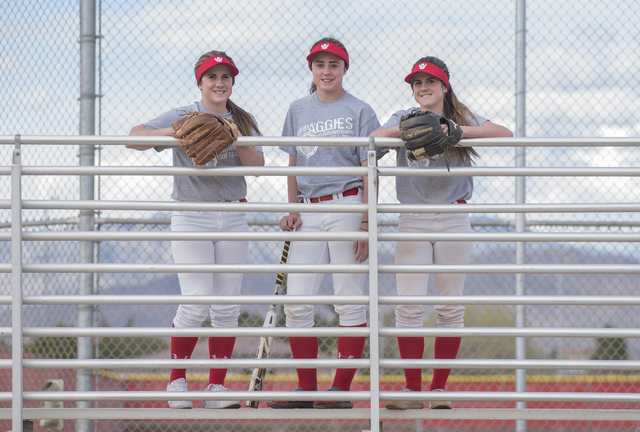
pixel 374 354
pixel 521 343
pixel 16 290
pixel 86 254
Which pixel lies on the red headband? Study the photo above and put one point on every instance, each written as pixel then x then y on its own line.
pixel 214 61
pixel 329 47
pixel 429 68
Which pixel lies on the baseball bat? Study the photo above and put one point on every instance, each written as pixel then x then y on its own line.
pixel 264 347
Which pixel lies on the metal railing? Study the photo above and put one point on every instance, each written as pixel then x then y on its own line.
pixel 17 300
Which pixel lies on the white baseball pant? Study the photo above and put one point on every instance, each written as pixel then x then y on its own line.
pixel 209 252
pixel 323 252
pixel 425 253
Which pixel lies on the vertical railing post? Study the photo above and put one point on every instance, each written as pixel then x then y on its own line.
pixel 374 354
pixel 86 254
pixel 521 343
pixel 16 290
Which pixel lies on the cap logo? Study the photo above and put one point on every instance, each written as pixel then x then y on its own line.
pixel 218 59
pixel 422 65
pixel 324 46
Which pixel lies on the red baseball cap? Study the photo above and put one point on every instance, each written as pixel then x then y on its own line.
pixel 329 47
pixel 429 68
pixel 214 61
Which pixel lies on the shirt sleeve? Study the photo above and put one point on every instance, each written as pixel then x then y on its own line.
pixel 394 120
pixel 369 125
pixel 288 131
pixel 480 120
pixel 255 133
pixel 164 120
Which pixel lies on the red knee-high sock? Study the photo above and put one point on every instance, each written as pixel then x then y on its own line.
pixel 412 348
pixel 305 348
pixel 445 348
pixel 348 348
pixel 220 348
pixel 181 348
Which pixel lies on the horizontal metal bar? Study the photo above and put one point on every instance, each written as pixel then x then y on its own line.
pixel 107 140
pixel 511 208
pixel 331 268
pixel 180 299
pixel 580 300
pixel 564 223
pixel 492 364
pixel 193 236
pixel 631 207
pixel 192 363
pixel 325 171
pixel 252 221
pixel 619 415
pixel 185 206
pixel 189 268
pixel 298 141
pixel 71 396
pixel 510 332
pixel 513 268
pixel 585 300
pixel 512 172
pixel 183 332
pixel 320 236
pixel 516 414
pixel 386 222
pixel 598 397
pixel 265 171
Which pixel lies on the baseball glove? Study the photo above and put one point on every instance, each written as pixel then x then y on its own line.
pixel 424 137
pixel 204 135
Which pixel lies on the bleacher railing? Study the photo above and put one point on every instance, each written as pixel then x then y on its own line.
pixel 17 267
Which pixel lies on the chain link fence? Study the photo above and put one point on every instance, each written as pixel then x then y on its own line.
pixel 582 81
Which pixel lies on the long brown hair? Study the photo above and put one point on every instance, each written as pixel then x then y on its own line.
pixel 313 88
pixel 241 118
pixel 454 110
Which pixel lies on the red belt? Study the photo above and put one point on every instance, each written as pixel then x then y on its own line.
pixel 461 202
pixel 349 192
pixel 241 200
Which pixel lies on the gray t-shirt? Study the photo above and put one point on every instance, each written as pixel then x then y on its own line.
pixel 430 190
pixel 201 188
pixel 346 117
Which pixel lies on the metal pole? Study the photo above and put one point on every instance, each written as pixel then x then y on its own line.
pixel 16 290
pixel 87 127
pixel 374 353
pixel 521 345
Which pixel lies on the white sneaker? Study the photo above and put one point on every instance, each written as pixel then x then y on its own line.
pixel 441 404
pixel 217 404
pixel 179 385
pixel 405 404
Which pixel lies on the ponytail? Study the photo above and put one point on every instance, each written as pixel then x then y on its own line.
pixel 246 124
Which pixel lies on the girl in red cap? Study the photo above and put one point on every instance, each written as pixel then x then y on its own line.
pixel 328 111
pixel 215 74
pixel 429 80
